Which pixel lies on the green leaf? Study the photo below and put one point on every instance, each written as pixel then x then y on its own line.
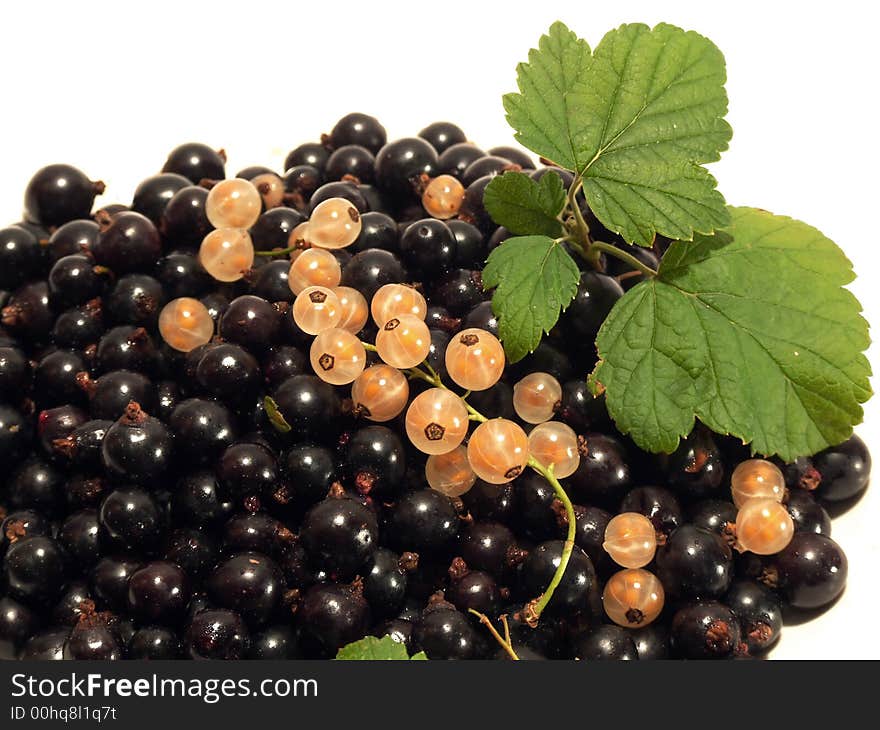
pixel 654 103
pixel 534 279
pixel 372 649
pixel 751 331
pixel 524 206
pixel 275 416
pixel 545 114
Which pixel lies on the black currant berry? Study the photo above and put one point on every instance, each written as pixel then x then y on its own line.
pixel 596 295
pixel 400 164
pixel 57 194
pixel 657 504
pixel 806 513
pixel 128 243
pixel 251 322
pixel 606 643
pixel 442 135
pixel 603 474
pixel 385 581
pixel 424 522
pixel 196 162
pixel 351 160
pixel 158 593
pixel 340 535
pixel 248 583
pixel 75 279
pixel 375 459
pixel 73 238
pixel 152 195
pixel 310 470
pixel 442 632
pixel 428 246
pixel 310 406
pixel 247 469
pixel 845 470
pixel 216 634
pixel 35 570
pixel 137 447
pixel 184 222
pixel 131 520
pixel 577 592
pixel 154 643
pixel 21 257
pixel 456 158
pixel 206 427
pixel 358 129
pixel 330 616
pixel 705 631
pixel 811 572
pixel 694 563
pixel 759 614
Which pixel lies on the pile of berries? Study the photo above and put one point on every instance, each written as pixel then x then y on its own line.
pixel 266 416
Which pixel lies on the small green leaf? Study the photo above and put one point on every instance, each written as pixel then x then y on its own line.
pixel 275 417
pixel 544 114
pixel 524 206
pixel 371 648
pixel 749 330
pixel 654 102
pixel 534 279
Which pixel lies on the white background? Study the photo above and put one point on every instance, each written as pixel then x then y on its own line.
pixel 112 86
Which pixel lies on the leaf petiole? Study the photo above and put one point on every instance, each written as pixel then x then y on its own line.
pixel 623 256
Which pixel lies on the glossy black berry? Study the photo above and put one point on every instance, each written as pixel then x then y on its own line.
pixel 275 642
pixel 358 129
pixel 488 166
pixel 347 190
pixel 28 313
pixel 154 643
pixel 424 522
pixel 74 237
pixel 330 616
pixel 589 535
pixel 217 634
pixel 79 536
pixel 126 348
pixel 845 470
pixel 494 402
pixel 37 484
pixel 247 469
pixel 138 447
pixel 55 378
pixel 21 524
pixel 271 283
pixel 75 279
pixel 251 322
pixel 129 243
pixel 196 162
pixel 606 643
pixel 184 222
pixel 652 641
pixel 197 500
pixel 229 372
pixel 378 230
pixel 385 582
pixel 57 194
pixel 93 640
pixel 152 195
pixel 205 426
pixel 340 535
pixel 472 590
pixel 21 257
pixel 442 135
pixel 515 155
pixel 80 327
pixel 248 583
pixel 456 158
pixel 109 580
pixel 811 572
pixel 310 153
pixel 375 460
pixel 351 161
pixel 400 164
pixel 428 246
pixel 300 182
pixel 310 406
pixel 459 291
pixel 714 515
pixel 54 424
pixel 695 470
pixel 131 520
pixel 310 470
pixel 694 563
pixel 603 474
pixel 110 394
pixel 445 633
pixel 576 593
pixel 15 374
pixel 17 624
pixel 371 269
pixel 759 613
pixel 491 502
pixel 596 295
pixel 35 570
pixel 158 593
pixel 705 631
pixel 807 514
pixel 46 645
pixel 135 299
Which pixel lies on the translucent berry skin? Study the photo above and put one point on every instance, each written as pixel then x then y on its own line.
pixel 185 323
pixel 393 300
pixel 475 359
pixel 334 223
pixel 270 187
pixel 227 253
pixel 633 598
pixel 437 421
pixel 763 526
pixel 380 393
pixel 233 203
pixel 354 309
pixel 313 267
pixel 450 473
pixel 316 309
pixel 536 397
pixel 404 341
pixel 630 540
pixel 555 444
pixel 756 478
pixel 337 356
pixel 498 451
pixel 443 197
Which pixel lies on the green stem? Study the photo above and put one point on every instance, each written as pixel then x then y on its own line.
pixel 623 256
pixel 582 229
pixel 368 347
pixel 505 643
pixel 434 379
pixel 279 251
pixel 536 607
